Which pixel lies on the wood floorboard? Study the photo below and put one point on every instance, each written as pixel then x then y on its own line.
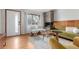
pixel 18 42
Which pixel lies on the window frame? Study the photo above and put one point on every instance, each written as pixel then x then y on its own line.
pixel 33 16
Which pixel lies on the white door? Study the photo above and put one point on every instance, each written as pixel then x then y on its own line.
pixel 13 23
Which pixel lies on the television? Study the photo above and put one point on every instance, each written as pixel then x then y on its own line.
pixel 47 24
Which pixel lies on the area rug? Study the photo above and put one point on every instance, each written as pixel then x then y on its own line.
pixel 40 42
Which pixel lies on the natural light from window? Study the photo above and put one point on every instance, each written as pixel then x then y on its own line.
pixel 16 23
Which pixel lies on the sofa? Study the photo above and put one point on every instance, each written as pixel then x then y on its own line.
pixel 68 35
pixel 55 44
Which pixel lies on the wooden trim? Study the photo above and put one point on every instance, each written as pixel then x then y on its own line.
pixel 69 23
pixel 6 19
pixel 13 36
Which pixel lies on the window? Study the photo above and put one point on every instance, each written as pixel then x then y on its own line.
pixel 33 19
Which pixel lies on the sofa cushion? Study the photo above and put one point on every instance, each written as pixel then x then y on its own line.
pixel 76 41
pixel 68 35
pixel 55 44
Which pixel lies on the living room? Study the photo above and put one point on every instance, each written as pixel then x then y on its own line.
pixel 39 28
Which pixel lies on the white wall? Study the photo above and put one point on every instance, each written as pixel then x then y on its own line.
pixel 24 13
pixel 38 13
pixel 23 19
pixel 66 14
pixel 23 26
pixel 2 21
pixel 60 14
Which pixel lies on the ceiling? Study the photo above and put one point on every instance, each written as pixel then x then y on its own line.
pixel 39 10
pixel 36 11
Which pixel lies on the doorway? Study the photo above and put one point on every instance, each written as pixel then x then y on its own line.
pixel 13 22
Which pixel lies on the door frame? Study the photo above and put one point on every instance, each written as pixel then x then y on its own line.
pixel 6 20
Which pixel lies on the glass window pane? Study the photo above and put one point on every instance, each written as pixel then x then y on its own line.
pixel 35 19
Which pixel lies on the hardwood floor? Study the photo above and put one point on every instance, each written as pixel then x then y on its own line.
pixel 18 42
pixel 23 42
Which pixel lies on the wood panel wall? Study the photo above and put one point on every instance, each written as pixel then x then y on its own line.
pixel 69 23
